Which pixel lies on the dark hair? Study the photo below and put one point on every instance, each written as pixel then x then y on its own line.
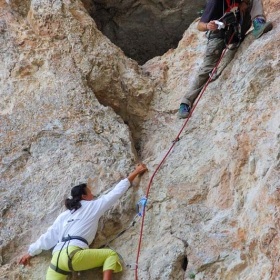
pixel 74 203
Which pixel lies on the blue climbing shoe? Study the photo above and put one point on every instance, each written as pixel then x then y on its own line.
pixel 184 111
pixel 261 27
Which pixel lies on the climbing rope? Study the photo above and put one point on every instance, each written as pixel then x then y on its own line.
pixel 141 205
pixel 168 152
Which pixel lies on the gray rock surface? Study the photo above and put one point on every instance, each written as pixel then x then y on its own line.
pixel 74 107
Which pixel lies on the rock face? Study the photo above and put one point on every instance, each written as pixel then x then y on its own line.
pixel 73 107
pixel 144 29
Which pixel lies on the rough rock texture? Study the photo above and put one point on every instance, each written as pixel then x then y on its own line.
pixel 215 201
pixel 144 29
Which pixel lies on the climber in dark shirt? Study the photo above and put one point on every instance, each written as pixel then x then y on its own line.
pixel 250 11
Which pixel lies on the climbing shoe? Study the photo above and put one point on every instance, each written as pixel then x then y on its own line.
pixel 261 27
pixel 184 111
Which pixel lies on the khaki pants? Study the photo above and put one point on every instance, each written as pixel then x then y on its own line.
pixel 213 53
pixel 256 9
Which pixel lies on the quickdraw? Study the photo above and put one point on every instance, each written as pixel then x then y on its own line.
pixel 140 206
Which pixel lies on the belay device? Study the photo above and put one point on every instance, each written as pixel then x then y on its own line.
pixel 231 23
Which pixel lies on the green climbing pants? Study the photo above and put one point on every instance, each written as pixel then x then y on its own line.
pixel 83 260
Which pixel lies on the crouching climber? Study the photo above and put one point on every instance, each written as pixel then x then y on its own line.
pixel 249 11
pixel 75 229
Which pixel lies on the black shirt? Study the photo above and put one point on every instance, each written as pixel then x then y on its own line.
pixel 215 9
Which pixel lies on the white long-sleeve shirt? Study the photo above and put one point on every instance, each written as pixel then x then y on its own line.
pixel 83 222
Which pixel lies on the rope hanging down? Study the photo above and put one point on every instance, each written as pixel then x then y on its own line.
pixel 170 149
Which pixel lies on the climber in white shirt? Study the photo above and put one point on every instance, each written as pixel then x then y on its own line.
pixel 75 229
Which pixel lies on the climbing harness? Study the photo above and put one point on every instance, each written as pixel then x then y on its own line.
pixel 170 149
pixel 232 24
pixel 232 20
pixel 70 257
pixel 229 24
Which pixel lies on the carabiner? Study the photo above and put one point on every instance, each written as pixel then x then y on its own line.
pixel 140 209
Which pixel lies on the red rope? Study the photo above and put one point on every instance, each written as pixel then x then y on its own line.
pixel 168 152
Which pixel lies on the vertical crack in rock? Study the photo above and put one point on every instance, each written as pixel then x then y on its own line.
pixel 185 263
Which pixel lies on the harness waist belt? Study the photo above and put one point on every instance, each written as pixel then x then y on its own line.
pixel 65 239
pixel 68 238
pixel 64 272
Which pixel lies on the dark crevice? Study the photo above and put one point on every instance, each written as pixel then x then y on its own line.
pixel 145 29
pixel 185 263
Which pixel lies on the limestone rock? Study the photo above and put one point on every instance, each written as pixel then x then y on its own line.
pixel 73 107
